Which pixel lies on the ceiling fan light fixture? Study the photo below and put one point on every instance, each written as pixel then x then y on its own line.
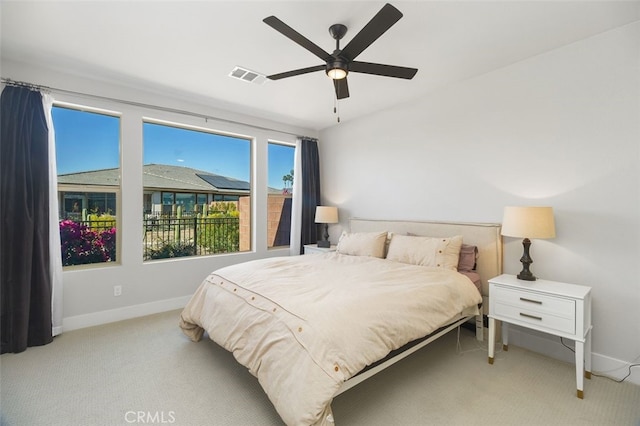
pixel 337 69
pixel 337 73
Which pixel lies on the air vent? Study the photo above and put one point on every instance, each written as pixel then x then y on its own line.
pixel 247 75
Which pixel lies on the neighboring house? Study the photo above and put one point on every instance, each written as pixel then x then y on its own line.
pixel 164 186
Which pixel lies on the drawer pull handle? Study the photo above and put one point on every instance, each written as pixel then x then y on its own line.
pixel 531 316
pixel 524 299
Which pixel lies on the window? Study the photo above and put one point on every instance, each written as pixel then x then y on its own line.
pixel 198 191
pixel 88 161
pixel 280 193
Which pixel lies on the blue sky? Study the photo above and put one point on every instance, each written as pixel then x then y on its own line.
pixel 88 141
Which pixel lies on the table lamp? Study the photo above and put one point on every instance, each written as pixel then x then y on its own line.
pixel 326 215
pixel 528 222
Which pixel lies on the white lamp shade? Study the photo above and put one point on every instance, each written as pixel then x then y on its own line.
pixel 325 214
pixel 528 222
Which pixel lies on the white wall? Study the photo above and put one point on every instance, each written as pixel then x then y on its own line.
pixel 159 285
pixel 560 129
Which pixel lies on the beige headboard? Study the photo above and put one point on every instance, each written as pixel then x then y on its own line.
pixel 486 236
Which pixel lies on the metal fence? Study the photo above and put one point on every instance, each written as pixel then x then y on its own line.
pixel 166 237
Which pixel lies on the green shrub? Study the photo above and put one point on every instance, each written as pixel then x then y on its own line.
pixel 101 222
pixel 171 249
pixel 219 231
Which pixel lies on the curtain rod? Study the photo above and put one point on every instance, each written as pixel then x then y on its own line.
pixel 40 87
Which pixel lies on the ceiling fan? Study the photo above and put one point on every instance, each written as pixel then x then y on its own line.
pixel 342 61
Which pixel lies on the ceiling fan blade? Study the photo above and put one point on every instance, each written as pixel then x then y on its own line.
pixel 292 34
pixel 342 88
pixel 383 70
pixel 378 25
pixel 296 72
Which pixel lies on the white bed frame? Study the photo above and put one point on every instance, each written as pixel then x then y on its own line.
pixel 486 236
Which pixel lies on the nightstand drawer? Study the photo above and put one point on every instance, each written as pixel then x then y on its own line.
pixel 539 319
pixel 534 302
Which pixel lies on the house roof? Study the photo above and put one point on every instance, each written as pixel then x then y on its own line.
pixel 105 177
pixel 163 177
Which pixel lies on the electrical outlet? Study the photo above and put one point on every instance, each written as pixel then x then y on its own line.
pixel 117 290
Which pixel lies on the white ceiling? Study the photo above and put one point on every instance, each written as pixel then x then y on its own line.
pixel 187 49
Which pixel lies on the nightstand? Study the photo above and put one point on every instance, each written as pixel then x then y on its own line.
pixel 314 249
pixel 551 307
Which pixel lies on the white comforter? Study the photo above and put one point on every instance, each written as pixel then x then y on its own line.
pixel 304 324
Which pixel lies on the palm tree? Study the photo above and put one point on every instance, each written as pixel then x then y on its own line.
pixel 288 182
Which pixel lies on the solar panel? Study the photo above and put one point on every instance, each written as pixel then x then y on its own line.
pixel 222 182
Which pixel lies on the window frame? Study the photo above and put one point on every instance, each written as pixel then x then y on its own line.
pixel 96 188
pixel 133 110
pixel 251 140
pixel 294 147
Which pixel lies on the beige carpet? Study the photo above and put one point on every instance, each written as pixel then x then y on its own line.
pixel 112 374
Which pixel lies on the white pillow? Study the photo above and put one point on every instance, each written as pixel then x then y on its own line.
pixel 362 244
pixel 426 251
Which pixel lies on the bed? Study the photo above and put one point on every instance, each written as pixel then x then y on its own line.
pixel 311 327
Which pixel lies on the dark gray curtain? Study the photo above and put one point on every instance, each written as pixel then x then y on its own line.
pixel 283 233
pixel 310 191
pixel 25 279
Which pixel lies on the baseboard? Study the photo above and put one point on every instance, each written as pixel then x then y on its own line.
pixel 552 347
pixel 128 312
